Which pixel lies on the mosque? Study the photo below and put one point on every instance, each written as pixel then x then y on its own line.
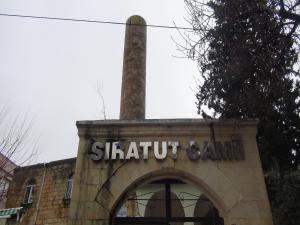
pixel 137 171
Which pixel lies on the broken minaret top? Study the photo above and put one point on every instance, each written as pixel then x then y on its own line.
pixel 134 70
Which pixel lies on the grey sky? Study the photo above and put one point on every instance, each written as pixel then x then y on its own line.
pixel 50 69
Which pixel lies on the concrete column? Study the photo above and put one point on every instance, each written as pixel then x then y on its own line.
pixel 134 70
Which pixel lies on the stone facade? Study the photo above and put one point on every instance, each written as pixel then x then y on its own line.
pixel 48 204
pixel 235 187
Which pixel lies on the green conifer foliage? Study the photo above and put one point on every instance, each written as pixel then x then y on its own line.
pixel 248 71
pixel 247 57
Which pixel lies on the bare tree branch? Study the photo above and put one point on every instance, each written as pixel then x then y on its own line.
pixel 100 94
pixel 17 146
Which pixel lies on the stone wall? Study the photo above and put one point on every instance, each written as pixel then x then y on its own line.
pixel 235 187
pixel 48 205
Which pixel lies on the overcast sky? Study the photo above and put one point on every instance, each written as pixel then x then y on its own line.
pixel 50 69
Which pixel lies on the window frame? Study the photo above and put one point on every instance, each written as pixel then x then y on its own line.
pixel 28 197
pixel 69 188
pixel 166 220
pixel 4 184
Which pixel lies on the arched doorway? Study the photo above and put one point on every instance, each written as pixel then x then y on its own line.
pixel 166 202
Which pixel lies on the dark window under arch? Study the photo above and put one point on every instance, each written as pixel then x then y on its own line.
pixel 167 202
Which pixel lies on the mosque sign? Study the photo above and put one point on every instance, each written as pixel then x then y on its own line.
pixel 229 150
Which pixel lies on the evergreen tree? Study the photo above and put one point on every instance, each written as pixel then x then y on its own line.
pixel 284 190
pixel 247 64
pixel 247 58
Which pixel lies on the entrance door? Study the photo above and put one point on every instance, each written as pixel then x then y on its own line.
pixel 167 202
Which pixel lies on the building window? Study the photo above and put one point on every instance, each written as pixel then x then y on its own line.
pixel 69 186
pixel 3 187
pixel 29 190
pixel 68 192
pixel 166 202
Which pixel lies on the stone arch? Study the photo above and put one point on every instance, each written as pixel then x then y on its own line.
pixel 222 203
pixel 29 181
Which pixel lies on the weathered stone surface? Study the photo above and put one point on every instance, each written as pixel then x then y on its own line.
pixel 134 70
pixel 236 187
pixel 47 197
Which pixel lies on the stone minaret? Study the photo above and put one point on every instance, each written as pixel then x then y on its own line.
pixel 134 70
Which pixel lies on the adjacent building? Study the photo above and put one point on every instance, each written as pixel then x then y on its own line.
pixel 42 192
